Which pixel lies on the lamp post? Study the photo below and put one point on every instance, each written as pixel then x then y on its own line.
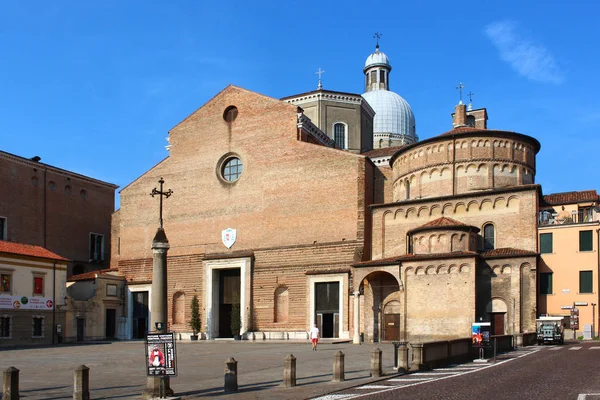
pixel 593 320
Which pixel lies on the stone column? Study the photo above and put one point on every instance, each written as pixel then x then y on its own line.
pixel 289 371
pixel 376 370
pixel 417 350
pixel 338 367
pixel 10 384
pixel 81 383
pixel 159 313
pixel 403 358
pixel 230 384
pixel 356 338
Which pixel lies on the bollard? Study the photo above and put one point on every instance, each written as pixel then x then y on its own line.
pixel 81 384
pixel 289 371
pixel 230 377
pixel 417 351
pixel 338 367
pixel 376 370
pixel 403 358
pixel 10 386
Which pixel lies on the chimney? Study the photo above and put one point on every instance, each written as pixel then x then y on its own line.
pixel 460 116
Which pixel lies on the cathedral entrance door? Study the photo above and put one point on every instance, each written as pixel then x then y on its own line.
pixel 229 294
pixel 328 308
pixel 498 323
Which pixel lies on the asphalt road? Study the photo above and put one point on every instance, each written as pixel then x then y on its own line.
pixel 548 372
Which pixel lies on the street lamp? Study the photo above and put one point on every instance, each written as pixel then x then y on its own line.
pixel 593 320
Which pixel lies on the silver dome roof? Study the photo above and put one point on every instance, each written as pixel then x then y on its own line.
pixel 392 113
pixel 377 59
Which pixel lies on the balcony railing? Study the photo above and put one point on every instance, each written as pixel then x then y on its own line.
pixel 579 217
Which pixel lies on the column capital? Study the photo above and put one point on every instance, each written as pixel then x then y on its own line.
pixel 356 293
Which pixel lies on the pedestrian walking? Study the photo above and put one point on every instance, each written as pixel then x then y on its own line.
pixel 314 337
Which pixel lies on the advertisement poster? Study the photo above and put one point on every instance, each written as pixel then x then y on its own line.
pixel 160 354
pixel 480 333
pixel 25 303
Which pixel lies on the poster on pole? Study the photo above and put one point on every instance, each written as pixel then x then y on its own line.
pixel 161 357
pixel 480 333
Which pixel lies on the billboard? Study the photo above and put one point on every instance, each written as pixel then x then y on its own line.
pixel 25 303
pixel 161 355
pixel 480 333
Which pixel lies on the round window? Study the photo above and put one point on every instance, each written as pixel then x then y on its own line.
pixel 232 169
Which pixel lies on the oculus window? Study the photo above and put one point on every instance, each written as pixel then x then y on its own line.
pixel 232 169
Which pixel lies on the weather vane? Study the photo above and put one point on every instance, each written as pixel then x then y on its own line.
pixel 160 192
pixel 377 36
pixel 320 72
pixel 460 87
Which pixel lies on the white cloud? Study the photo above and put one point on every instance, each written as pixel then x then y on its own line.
pixel 529 59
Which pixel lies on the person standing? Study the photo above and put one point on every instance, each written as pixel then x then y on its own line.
pixel 314 337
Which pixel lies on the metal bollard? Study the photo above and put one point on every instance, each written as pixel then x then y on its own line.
pixel 10 386
pixel 338 367
pixel 230 377
pixel 289 371
pixel 376 370
pixel 81 383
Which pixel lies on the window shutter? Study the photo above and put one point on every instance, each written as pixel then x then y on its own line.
pixel 545 243
pixel 585 241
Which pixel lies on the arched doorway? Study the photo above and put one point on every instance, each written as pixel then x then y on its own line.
pixel 381 307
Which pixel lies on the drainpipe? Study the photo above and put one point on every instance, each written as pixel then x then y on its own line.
pixel 45 208
pixel 53 298
pixel 453 165
pixel 598 286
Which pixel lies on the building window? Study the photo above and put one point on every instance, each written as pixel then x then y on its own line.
pixel 3 228
pixel 585 241
pixel 546 283
pixel 232 169
pixel 489 237
pixel 5 325
pixel 545 243
pixel 5 282
pixel 585 214
pixel 230 114
pixel 339 135
pixel 471 121
pixel 38 327
pixel 585 282
pixel 96 247
pixel 38 285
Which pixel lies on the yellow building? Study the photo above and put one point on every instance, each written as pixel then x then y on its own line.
pixel 568 270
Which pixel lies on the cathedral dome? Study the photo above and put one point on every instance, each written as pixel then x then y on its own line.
pixel 393 114
pixel 377 59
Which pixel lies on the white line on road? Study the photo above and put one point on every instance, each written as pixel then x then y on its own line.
pixel 595 348
pixel 555 348
pixel 373 387
pixel 409 379
pixel 575 348
pixel 584 395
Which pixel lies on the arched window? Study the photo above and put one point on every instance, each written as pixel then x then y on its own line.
pixel 179 308
pixel 471 121
pixel 489 237
pixel 339 135
pixel 407 190
pixel 281 310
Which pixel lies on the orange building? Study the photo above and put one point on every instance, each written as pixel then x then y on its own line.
pixel 568 225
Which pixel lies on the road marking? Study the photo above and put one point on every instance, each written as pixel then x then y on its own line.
pixel 457 368
pixel 555 348
pixel 583 396
pixel 433 373
pixel 420 381
pixel 595 348
pixel 575 348
pixel 373 387
pixel 334 397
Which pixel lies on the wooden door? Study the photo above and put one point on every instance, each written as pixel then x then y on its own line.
pixel 391 327
pixel 498 319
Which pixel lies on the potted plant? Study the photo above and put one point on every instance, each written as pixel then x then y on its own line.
pixel 236 321
pixel 195 318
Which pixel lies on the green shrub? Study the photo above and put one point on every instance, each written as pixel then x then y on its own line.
pixel 195 317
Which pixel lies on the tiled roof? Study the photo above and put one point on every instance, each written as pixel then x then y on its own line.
pixel 443 222
pixel 410 257
pixel 507 252
pixel 91 275
pixel 460 129
pixel 28 250
pixel 386 151
pixel 571 197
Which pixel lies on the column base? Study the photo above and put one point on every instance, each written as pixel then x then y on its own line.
pixel 152 390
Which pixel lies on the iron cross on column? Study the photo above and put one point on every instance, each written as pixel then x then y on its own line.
pixel 160 193
pixel 460 87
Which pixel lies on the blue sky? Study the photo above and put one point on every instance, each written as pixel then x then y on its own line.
pixel 95 86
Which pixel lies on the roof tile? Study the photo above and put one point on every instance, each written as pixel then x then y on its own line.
pixel 507 252
pixel 571 197
pixel 28 250
pixel 91 274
